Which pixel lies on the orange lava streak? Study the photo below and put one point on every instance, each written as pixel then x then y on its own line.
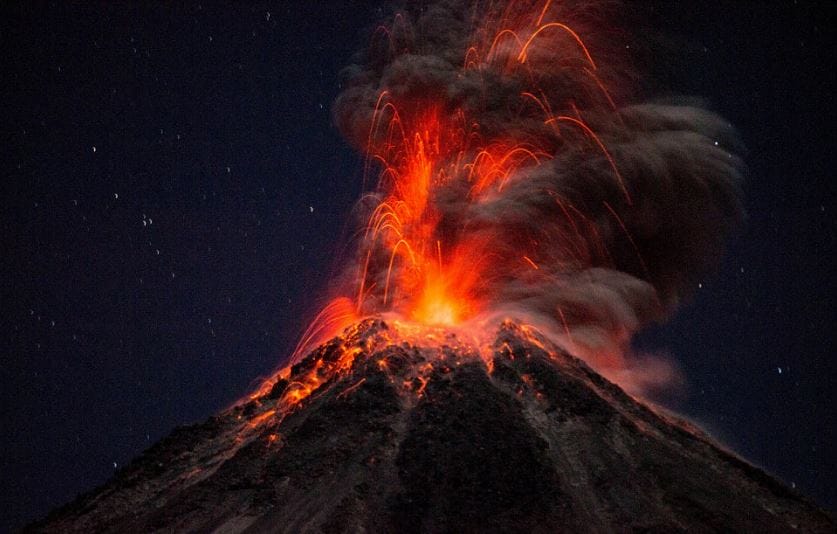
pixel 351 388
pixel 530 262
pixel 511 33
pixel 420 146
pixel 336 315
pixel 543 12
pixel 417 261
pixel 261 418
pixel 522 55
pixel 592 135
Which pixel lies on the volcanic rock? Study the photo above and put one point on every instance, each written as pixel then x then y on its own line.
pixel 428 433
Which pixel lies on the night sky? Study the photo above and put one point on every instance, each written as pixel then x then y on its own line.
pixel 174 194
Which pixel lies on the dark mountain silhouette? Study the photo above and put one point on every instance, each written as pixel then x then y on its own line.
pixel 430 436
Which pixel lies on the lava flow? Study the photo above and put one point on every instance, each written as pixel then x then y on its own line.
pixel 511 180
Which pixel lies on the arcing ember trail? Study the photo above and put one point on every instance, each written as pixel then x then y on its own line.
pixel 515 180
pixel 526 217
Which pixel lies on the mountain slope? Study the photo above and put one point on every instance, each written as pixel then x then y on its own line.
pixel 427 433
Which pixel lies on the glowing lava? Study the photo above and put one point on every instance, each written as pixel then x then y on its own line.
pixel 415 262
pixel 510 181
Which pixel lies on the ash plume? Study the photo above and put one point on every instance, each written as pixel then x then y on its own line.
pixel 553 193
pixel 525 209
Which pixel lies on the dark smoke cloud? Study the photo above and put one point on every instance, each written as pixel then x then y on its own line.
pixel 608 262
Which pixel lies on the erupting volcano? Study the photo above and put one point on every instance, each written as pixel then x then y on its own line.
pixel 514 178
pixel 525 216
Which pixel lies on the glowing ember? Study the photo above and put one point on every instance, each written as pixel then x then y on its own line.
pixel 512 181
pixel 426 147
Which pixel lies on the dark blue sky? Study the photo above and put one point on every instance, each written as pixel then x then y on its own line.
pixel 174 192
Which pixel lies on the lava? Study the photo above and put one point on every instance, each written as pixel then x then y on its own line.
pixel 511 180
pixel 415 262
pixel 418 435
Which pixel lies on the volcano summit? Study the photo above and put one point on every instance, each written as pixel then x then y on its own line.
pixel 414 430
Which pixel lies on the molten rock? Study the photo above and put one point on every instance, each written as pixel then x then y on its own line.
pixel 377 431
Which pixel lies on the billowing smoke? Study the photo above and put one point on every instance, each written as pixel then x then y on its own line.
pixel 517 176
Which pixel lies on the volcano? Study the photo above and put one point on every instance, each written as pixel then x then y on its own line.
pixel 397 428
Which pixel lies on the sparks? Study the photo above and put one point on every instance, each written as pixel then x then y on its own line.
pixel 504 176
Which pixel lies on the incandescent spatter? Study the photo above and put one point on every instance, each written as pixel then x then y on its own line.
pixel 523 205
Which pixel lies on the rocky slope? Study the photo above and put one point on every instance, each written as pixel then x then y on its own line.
pixel 375 432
